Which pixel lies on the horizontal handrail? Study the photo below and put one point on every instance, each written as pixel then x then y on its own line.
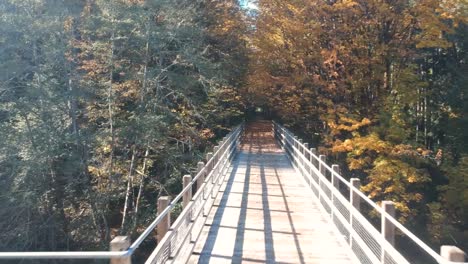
pixel 291 141
pixel 223 154
pixel 126 253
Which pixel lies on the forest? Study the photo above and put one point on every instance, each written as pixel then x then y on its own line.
pixel 105 105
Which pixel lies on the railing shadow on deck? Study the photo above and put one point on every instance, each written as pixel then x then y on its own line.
pixel 353 216
pixel 250 159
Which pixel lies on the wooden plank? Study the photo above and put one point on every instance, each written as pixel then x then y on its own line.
pixel 266 213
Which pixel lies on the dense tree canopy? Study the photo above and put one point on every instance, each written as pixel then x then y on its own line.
pixel 382 86
pixel 104 105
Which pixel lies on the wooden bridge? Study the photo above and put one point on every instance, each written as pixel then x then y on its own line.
pixel 264 196
pixel 265 213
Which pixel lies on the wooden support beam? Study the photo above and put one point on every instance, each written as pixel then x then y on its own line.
pixel 355 202
pixel 335 185
pixel 452 253
pixel 354 198
pixel 187 197
pixel 215 160
pixel 164 225
pixel 334 179
pixel 120 243
pixel 322 170
pixel 312 159
pixel 209 166
pixel 306 147
pixel 200 179
pixel 216 155
pixel 295 143
pixel 321 166
pixel 388 229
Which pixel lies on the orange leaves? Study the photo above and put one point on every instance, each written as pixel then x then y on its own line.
pixel 354 124
pixel 68 23
pixel 206 134
pixel 358 163
pixel 346 146
pixel 347 124
pixel 128 90
pixel 431 24
pixel 93 68
pixel 345 4
pixel 393 179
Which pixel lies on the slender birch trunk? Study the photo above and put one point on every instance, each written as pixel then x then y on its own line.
pixel 129 189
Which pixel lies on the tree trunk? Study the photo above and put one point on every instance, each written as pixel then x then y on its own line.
pixel 140 189
pixel 129 191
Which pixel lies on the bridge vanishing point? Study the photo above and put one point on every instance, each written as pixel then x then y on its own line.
pixel 264 196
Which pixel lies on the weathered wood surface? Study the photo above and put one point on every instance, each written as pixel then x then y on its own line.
pixel 266 213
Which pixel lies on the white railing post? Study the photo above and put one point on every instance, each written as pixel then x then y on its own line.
pixel 220 158
pixel 294 150
pixel 452 253
pixel 314 162
pixel 388 229
pixel 322 171
pixel 209 168
pixel 335 185
pixel 322 168
pixel 354 198
pixel 164 225
pixel 200 179
pixel 186 180
pixel 209 165
pixel 224 158
pixel 215 155
pixel 334 178
pixel 120 243
pixel 304 161
pixel 215 170
pixel 311 170
pixel 299 154
pixel 355 202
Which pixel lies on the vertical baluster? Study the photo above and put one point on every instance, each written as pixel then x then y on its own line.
pixel 355 202
pixel 187 197
pixel 311 160
pixel 322 171
pixel 305 159
pixel 200 179
pixel 163 226
pixel 335 187
pixel 215 170
pixel 299 156
pixel 209 167
pixel 226 153
pixel 388 229
pixel 294 150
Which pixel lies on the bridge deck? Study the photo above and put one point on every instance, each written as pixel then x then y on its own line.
pixel 266 213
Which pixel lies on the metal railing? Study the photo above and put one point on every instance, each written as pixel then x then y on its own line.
pixel 171 243
pixel 354 215
pixel 178 242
